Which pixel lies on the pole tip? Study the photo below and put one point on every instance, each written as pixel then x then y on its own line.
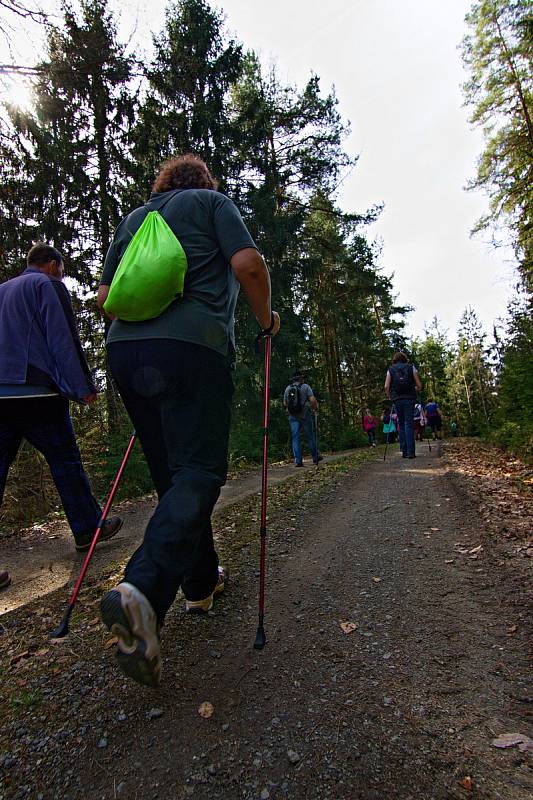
pixel 61 632
pixel 260 638
pixel 62 629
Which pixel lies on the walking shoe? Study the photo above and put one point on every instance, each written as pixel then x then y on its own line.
pixel 203 606
pixel 5 580
pixel 320 458
pixel 111 527
pixel 299 464
pixel 129 616
pixel 412 456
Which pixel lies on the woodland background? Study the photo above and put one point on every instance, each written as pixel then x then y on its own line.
pixel 88 151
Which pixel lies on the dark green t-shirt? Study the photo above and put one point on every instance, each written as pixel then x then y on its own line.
pixel 211 230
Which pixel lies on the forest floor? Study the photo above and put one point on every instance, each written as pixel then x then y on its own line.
pixel 397 601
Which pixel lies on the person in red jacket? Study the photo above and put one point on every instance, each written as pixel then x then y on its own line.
pixel 369 426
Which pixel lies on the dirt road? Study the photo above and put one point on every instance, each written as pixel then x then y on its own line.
pixel 405 705
pixel 42 559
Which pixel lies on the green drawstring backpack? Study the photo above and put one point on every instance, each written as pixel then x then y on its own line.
pixel 150 274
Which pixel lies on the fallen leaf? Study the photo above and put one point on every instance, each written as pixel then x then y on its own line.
pixel 448 560
pixel 434 529
pixel 94 621
pixel 42 652
pixel 512 629
pixel 19 657
pixel 376 579
pixel 348 627
pixel 476 549
pixel 110 642
pixel 466 783
pixel 206 710
pixel 512 739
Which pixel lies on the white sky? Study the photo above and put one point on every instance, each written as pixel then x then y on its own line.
pixel 397 72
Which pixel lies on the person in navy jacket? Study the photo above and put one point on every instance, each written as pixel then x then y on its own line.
pixel 42 367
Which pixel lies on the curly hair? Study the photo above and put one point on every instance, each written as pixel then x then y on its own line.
pixel 400 357
pixel 184 172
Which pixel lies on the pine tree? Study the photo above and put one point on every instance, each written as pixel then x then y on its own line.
pixel 499 56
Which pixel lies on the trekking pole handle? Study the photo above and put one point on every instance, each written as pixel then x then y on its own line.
pixel 267 331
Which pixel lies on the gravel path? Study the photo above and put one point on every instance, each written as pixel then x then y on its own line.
pixel 42 559
pixel 404 705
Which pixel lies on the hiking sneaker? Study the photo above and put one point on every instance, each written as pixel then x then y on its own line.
pixel 5 580
pixel 320 458
pixel 129 616
pixel 111 527
pixel 299 464
pixel 203 606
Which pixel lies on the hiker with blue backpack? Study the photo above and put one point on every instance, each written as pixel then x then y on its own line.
pixel 301 405
pixel 401 386
pixel 434 418
pixel 170 283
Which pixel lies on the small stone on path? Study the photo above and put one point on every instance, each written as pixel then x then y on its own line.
pixel 293 756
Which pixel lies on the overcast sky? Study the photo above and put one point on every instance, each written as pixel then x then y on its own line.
pixel 397 72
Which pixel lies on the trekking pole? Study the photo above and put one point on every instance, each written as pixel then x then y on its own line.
pixel 62 630
pixel 260 638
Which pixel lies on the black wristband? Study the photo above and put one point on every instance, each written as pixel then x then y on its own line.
pixel 266 331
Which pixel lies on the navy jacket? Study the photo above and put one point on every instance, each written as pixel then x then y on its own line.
pixel 38 336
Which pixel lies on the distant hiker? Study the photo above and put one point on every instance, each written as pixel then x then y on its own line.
pixel 41 368
pixel 300 403
pixel 434 418
pixel 389 426
pixel 401 385
pixel 173 371
pixel 454 428
pixel 419 422
pixel 369 427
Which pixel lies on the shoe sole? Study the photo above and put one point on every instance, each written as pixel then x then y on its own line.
pixel 5 584
pixel 134 663
pixel 81 548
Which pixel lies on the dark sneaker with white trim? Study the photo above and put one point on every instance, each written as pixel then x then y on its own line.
pixel 129 616
pixel 111 527
pixel 203 606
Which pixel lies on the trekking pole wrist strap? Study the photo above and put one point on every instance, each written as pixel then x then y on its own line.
pixel 267 331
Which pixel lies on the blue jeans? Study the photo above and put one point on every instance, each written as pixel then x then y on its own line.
pixel 306 424
pixel 45 423
pixel 405 409
pixel 178 396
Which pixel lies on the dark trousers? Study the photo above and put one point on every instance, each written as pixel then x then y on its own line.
pixel 45 423
pixel 405 409
pixel 178 396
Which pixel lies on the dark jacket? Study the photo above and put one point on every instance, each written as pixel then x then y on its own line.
pixel 38 336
